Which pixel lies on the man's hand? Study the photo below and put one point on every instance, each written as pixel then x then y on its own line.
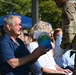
pixel 15 62
pixel 39 51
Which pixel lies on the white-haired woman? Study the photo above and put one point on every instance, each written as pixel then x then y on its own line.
pixel 46 62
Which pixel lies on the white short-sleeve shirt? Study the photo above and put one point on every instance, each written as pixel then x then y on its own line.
pixel 45 60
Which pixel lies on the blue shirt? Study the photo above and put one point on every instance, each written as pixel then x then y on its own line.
pixel 65 60
pixel 9 50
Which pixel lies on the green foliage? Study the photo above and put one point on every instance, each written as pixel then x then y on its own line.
pixel 19 6
pixel 48 10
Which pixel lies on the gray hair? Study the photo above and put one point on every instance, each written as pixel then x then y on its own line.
pixel 9 20
pixel 41 26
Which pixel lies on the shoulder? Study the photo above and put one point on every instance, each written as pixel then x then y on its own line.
pixel 69 6
pixel 20 41
pixel 69 3
pixel 4 38
pixel 32 46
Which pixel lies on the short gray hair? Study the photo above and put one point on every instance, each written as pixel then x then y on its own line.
pixel 9 20
pixel 42 26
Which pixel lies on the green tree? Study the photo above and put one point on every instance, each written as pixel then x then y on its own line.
pixel 19 6
pixel 49 12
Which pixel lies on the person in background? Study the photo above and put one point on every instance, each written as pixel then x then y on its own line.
pixel 26 36
pixel 21 36
pixel 27 39
pixel 57 32
pixel 45 63
pixel 65 61
pixel 14 56
pixel 52 38
pixel 69 26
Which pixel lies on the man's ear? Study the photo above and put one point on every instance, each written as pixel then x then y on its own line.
pixel 8 26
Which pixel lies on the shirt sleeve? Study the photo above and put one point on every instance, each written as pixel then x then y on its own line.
pixel 6 52
pixel 36 67
pixel 58 40
pixel 31 47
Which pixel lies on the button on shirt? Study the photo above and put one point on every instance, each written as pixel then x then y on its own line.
pixel 10 50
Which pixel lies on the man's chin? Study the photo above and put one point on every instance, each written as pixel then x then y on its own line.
pixel 18 34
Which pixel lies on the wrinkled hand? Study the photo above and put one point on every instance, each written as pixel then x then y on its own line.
pixel 39 51
pixel 68 71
